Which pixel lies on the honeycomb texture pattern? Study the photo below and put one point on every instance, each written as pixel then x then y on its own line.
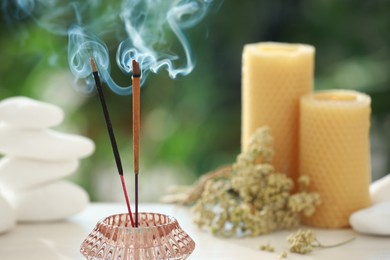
pixel 274 77
pixel 334 153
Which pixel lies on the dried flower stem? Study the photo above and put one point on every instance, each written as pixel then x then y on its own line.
pixel 188 195
pixel 335 245
pixel 304 241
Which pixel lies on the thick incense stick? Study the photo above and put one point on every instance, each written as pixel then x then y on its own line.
pixel 111 134
pixel 136 129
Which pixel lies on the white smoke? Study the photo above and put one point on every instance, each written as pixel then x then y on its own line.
pixel 140 26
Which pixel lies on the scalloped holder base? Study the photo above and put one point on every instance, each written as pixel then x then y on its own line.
pixel 157 237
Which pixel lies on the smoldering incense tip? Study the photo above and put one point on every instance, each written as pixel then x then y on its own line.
pixel 136 70
pixel 93 64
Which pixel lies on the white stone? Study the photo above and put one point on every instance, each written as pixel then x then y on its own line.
pixel 7 218
pixel 54 201
pixel 374 220
pixel 30 113
pixel 43 144
pixel 380 189
pixel 20 173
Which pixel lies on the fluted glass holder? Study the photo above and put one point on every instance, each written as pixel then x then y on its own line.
pixel 157 237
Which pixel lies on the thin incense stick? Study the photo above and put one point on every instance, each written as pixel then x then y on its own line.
pixel 136 129
pixel 111 134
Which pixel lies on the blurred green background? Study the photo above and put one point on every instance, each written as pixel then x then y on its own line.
pixel 191 125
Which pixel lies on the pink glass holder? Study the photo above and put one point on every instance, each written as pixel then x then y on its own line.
pixel 157 237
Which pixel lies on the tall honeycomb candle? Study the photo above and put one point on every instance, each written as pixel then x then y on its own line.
pixel 334 153
pixel 274 77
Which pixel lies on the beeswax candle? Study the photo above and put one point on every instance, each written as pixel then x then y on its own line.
pixel 274 77
pixel 334 153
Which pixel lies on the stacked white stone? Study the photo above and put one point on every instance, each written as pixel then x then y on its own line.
pixel 374 220
pixel 35 160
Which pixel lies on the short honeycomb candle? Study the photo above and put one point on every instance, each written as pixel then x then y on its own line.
pixel 334 153
pixel 274 77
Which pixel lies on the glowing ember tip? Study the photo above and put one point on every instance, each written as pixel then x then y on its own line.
pixel 93 64
pixel 136 70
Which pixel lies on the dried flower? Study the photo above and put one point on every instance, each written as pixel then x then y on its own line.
pixel 304 241
pixel 304 202
pixel 267 247
pixel 303 182
pixel 254 199
pixel 283 255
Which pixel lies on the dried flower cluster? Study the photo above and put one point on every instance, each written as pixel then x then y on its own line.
pixel 267 248
pixel 283 255
pixel 254 199
pixel 304 241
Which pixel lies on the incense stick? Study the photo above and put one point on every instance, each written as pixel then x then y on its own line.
pixel 111 134
pixel 136 129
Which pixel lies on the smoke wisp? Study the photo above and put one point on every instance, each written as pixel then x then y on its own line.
pixel 138 26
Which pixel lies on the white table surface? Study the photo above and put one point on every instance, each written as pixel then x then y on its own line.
pixel 61 240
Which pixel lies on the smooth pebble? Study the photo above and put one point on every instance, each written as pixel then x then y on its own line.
pixel 29 113
pixel 54 201
pixel 374 220
pixel 7 219
pixel 43 144
pixel 20 173
pixel 380 189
